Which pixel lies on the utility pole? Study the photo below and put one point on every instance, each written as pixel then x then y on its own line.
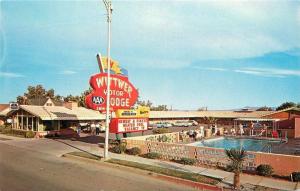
pixel 109 9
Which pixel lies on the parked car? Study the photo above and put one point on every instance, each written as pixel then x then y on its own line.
pixel 183 124
pixel 150 126
pixel 163 125
pixel 193 122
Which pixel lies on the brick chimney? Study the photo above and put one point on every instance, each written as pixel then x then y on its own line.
pixel 70 104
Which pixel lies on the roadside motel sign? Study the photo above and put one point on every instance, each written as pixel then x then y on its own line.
pixel 123 94
pixel 128 125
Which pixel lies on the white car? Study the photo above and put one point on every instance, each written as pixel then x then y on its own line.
pixel 193 123
pixel 182 124
pixel 163 125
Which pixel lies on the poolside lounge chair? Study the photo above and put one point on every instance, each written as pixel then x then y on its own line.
pixel 275 134
pixel 261 132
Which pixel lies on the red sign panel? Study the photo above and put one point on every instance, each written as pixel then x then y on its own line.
pixel 127 125
pixel 123 94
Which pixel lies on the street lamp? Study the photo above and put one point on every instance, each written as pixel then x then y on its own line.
pixel 109 9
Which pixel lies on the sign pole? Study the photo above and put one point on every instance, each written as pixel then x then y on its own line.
pixel 107 4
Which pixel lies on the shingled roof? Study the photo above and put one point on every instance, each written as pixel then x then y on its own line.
pixel 4 109
pixel 62 113
pixel 201 114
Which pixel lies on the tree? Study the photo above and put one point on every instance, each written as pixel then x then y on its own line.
pixel 264 108
pixel 144 103
pixel 22 100
pixel 50 93
pixel 37 92
pixel 210 120
pixel 159 108
pixel 236 156
pixel 286 105
pixel 81 101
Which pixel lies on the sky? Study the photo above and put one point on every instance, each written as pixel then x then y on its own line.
pixel 184 54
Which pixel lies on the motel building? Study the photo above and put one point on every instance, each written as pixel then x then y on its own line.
pixel 44 116
pixel 49 116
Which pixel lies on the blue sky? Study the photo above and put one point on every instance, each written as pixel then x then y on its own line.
pixel 219 54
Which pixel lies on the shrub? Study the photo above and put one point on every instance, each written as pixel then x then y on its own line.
pixel 187 161
pixel 264 170
pixel 160 130
pixel 119 148
pixel 7 131
pixel 153 155
pixel 134 151
pixel 296 176
pixel 29 134
pixel 2 127
pixel 18 132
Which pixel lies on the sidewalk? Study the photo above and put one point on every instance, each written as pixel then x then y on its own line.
pixel 227 177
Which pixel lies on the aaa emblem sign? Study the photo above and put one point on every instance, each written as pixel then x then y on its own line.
pixel 123 94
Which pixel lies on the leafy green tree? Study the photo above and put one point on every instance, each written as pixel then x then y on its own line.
pixel 264 108
pixel 286 105
pixel 37 92
pixel 159 108
pixel 79 99
pixel 237 157
pixel 22 100
pixel 50 93
pixel 210 120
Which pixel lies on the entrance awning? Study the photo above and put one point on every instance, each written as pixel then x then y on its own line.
pixel 256 119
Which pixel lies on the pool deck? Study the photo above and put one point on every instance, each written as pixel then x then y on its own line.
pixel 292 147
pixel 288 147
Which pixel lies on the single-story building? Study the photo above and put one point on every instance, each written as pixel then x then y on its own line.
pixel 48 118
pixel 4 109
pixel 51 115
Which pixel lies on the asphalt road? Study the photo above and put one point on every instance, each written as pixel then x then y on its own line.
pixel 31 170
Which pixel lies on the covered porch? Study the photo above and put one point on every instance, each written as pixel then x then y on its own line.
pixel 262 127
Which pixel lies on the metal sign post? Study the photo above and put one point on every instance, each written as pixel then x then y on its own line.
pixel 108 7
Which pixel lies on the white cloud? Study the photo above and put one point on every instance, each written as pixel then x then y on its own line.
pixel 265 72
pixel 11 75
pixel 211 69
pixel 257 73
pixel 68 72
pixel 270 72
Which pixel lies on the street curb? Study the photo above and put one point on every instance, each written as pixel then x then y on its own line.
pixel 82 159
pixel 197 185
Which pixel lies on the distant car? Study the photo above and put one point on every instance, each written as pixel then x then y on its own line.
pixel 163 125
pixel 150 126
pixel 193 122
pixel 182 124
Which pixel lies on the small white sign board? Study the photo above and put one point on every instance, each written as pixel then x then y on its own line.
pixel 13 106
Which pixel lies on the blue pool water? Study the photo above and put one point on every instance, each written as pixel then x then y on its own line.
pixel 237 143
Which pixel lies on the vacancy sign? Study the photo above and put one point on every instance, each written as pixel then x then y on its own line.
pixel 119 125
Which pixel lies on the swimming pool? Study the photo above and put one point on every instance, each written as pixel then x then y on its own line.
pixel 238 143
